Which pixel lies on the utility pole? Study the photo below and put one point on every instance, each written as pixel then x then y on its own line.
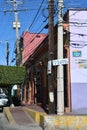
pixel 7 54
pixel 60 74
pixel 51 103
pixel 16 25
pixel 7 51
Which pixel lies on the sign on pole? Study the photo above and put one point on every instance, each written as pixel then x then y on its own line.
pixel 49 69
pixel 60 62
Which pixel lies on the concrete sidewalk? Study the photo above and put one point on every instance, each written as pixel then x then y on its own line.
pixel 20 117
pixel 4 125
pixel 35 115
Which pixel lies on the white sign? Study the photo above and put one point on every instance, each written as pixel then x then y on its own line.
pixel 60 62
pixel 49 69
pixel 51 97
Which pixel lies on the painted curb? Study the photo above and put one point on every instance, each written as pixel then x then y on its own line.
pixel 35 115
pixel 8 114
pixel 52 122
pixel 65 122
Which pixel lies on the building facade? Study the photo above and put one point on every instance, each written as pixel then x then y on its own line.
pixel 77 48
pixel 35 58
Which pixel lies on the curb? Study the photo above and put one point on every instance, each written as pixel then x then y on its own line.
pixel 70 122
pixel 52 122
pixel 37 116
pixel 8 114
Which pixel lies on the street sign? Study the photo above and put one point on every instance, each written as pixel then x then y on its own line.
pixel 60 62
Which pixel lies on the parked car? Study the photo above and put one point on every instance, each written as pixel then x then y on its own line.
pixel 3 100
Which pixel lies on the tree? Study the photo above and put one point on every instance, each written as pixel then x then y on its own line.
pixel 10 75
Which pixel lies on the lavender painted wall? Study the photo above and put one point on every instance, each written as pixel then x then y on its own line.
pixel 78 58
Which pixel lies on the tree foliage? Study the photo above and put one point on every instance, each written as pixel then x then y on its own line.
pixel 10 75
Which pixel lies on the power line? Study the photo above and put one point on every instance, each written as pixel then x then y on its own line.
pixel 10 17
pixel 30 40
pixel 36 15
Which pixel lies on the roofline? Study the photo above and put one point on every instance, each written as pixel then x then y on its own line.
pixel 35 49
pixel 74 9
pixel 78 9
pixel 33 33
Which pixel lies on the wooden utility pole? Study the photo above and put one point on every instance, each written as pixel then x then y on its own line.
pixel 51 103
pixel 7 54
pixel 7 51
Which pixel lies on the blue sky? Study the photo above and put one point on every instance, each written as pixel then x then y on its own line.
pixel 27 20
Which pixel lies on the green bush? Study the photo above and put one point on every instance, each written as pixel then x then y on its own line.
pixel 10 75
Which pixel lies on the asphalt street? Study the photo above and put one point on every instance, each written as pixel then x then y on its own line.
pixel 4 125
